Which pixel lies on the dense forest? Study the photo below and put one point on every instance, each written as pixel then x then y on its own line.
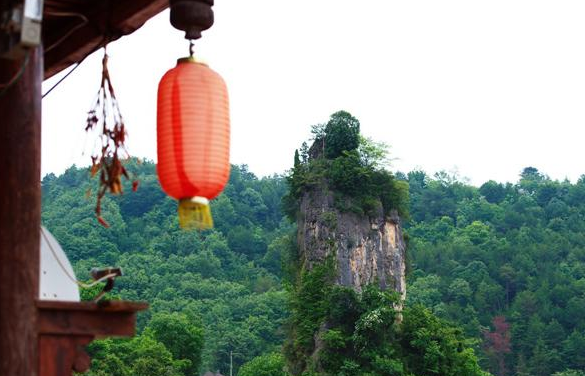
pixel 211 293
pixel 507 263
pixel 504 262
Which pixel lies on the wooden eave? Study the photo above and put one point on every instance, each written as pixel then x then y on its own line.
pixel 73 29
pixel 103 319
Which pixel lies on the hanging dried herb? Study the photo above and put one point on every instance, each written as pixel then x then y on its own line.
pixel 107 161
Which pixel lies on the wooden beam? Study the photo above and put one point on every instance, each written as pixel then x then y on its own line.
pixel 20 214
pixel 115 318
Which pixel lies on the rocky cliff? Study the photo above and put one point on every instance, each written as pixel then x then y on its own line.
pixel 367 248
pixel 346 205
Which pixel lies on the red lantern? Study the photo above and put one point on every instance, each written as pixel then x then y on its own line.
pixel 193 139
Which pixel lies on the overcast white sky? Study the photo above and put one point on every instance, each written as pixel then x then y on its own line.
pixel 484 87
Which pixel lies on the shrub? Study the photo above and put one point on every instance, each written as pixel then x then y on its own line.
pixel 265 365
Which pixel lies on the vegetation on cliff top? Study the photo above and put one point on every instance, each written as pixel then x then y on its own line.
pixel 349 165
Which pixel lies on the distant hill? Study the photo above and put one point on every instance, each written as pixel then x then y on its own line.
pixel 227 281
pixel 504 261
pixel 507 262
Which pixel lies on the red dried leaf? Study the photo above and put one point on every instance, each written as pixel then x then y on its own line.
pixel 94 169
pixel 111 139
pixel 103 222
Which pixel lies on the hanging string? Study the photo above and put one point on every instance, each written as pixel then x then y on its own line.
pixel 64 77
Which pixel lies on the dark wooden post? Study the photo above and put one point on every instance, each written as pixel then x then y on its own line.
pixel 20 214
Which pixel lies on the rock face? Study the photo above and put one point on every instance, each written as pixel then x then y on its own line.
pixel 367 249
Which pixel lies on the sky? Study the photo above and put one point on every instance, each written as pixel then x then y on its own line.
pixel 478 88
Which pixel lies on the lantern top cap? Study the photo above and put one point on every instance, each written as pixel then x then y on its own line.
pixel 190 59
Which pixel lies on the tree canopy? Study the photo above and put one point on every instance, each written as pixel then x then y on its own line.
pixel 504 262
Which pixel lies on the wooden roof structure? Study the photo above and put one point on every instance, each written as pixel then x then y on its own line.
pixel 73 29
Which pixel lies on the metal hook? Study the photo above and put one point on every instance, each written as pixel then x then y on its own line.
pixel 191 47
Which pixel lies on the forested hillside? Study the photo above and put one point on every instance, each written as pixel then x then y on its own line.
pixel 504 261
pixel 507 262
pixel 224 285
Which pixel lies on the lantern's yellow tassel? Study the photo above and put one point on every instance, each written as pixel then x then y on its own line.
pixel 194 213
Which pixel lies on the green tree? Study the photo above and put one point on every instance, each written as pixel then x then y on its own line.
pixel 373 154
pixel 108 365
pixel 181 337
pixel 493 192
pixel 341 134
pixel 265 365
pixel 569 372
pixel 572 350
pixel 432 347
pixel 544 360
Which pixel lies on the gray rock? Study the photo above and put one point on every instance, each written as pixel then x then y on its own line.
pixel 367 249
